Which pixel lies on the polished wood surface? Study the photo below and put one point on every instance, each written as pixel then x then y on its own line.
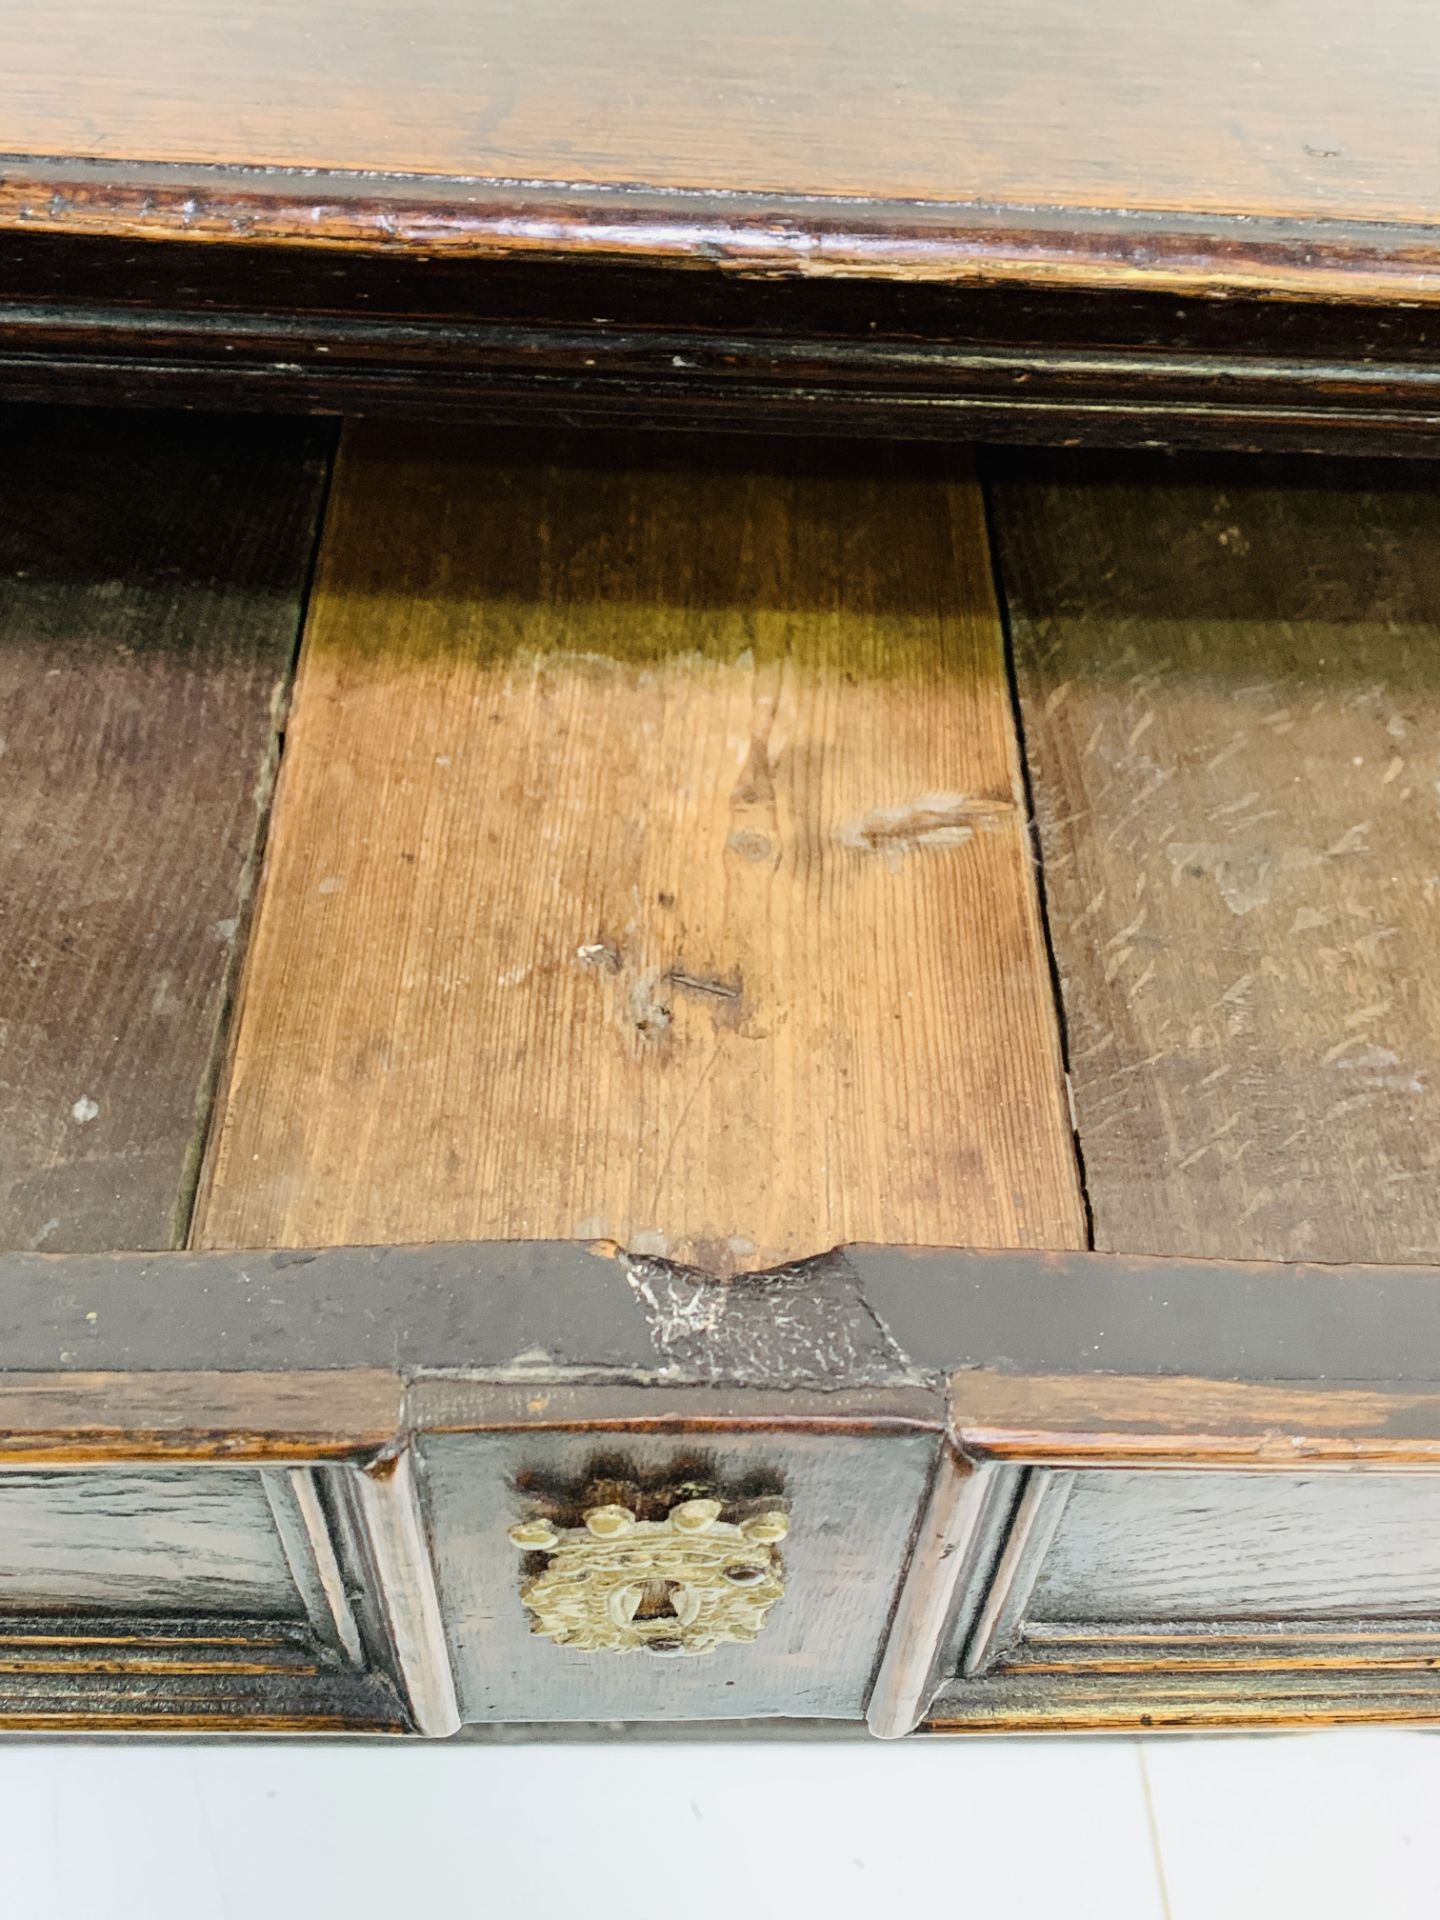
pixel 1303 109
pixel 573 336
pixel 1231 686
pixel 1077 221
pixel 150 597
pixel 648 865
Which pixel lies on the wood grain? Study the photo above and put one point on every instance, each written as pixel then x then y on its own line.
pixel 1376 1648
pixel 647 867
pixel 1070 182
pixel 1171 1420
pixel 445 336
pixel 1188 1546
pixel 149 1541
pixel 1303 107
pixel 853 1501
pixel 1105 1703
pixel 150 583
pixel 129 1671
pixel 957 1539
pixel 398 1549
pixel 222 1415
pixel 1231 688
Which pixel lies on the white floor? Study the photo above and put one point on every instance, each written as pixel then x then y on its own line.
pixel 1323 1824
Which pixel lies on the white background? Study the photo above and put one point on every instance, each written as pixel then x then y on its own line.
pixel 1322 1825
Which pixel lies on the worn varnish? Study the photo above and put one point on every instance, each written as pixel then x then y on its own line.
pixel 197 1539
pixel 1193 1703
pixel 1301 108
pixel 150 585
pixel 1283 1553
pixel 1171 1547
pixel 648 866
pixel 852 1499
pixel 304 328
pixel 1231 690
pixel 1067 220
pixel 1299 111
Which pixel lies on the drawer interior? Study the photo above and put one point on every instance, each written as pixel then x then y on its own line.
pixel 652 851
pixel 722 852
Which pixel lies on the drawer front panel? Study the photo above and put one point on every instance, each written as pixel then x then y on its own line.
pixel 204 1597
pixel 154 1540
pixel 1123 1598
pixel 1202 1546
pixel 852 1503
pixel 515 1542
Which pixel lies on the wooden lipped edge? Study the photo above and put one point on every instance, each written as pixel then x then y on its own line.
pixel 1193 1423
pixel 860 1317
pixel 267 1419
pixel 752 233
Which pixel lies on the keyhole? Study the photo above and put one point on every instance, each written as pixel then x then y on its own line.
pixel 654 1599
pixel 657 1600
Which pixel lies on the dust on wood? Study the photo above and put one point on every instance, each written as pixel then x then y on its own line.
pixel 151 571
pixel 1231 691
pixel 648 866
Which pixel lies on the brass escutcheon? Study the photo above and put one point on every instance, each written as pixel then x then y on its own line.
pixel 681 1585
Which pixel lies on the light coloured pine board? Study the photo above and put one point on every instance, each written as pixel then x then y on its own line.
pixel 648 866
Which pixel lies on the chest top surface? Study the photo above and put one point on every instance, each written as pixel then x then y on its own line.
pixel 905 139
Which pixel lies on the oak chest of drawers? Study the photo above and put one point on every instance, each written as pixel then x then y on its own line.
pixel 714 1076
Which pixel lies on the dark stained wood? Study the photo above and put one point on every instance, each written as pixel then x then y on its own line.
pixel 852 1498
pixel 945 243
pixel 88 1672
pixel 1168 1574
pixel 1080 157
pixel 110 1540
pixel 1171 1547
pixel 496 341
pixel 1289 1645
pixel 150 584
pixel 1036 1515
pixel 871 1317
pixel 956 1545
pixel 1221 1532
pixel 1230 682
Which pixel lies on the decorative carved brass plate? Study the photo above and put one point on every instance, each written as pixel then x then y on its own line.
pixel 681 1585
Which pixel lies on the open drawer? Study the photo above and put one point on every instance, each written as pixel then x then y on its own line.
pixel 488 1208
